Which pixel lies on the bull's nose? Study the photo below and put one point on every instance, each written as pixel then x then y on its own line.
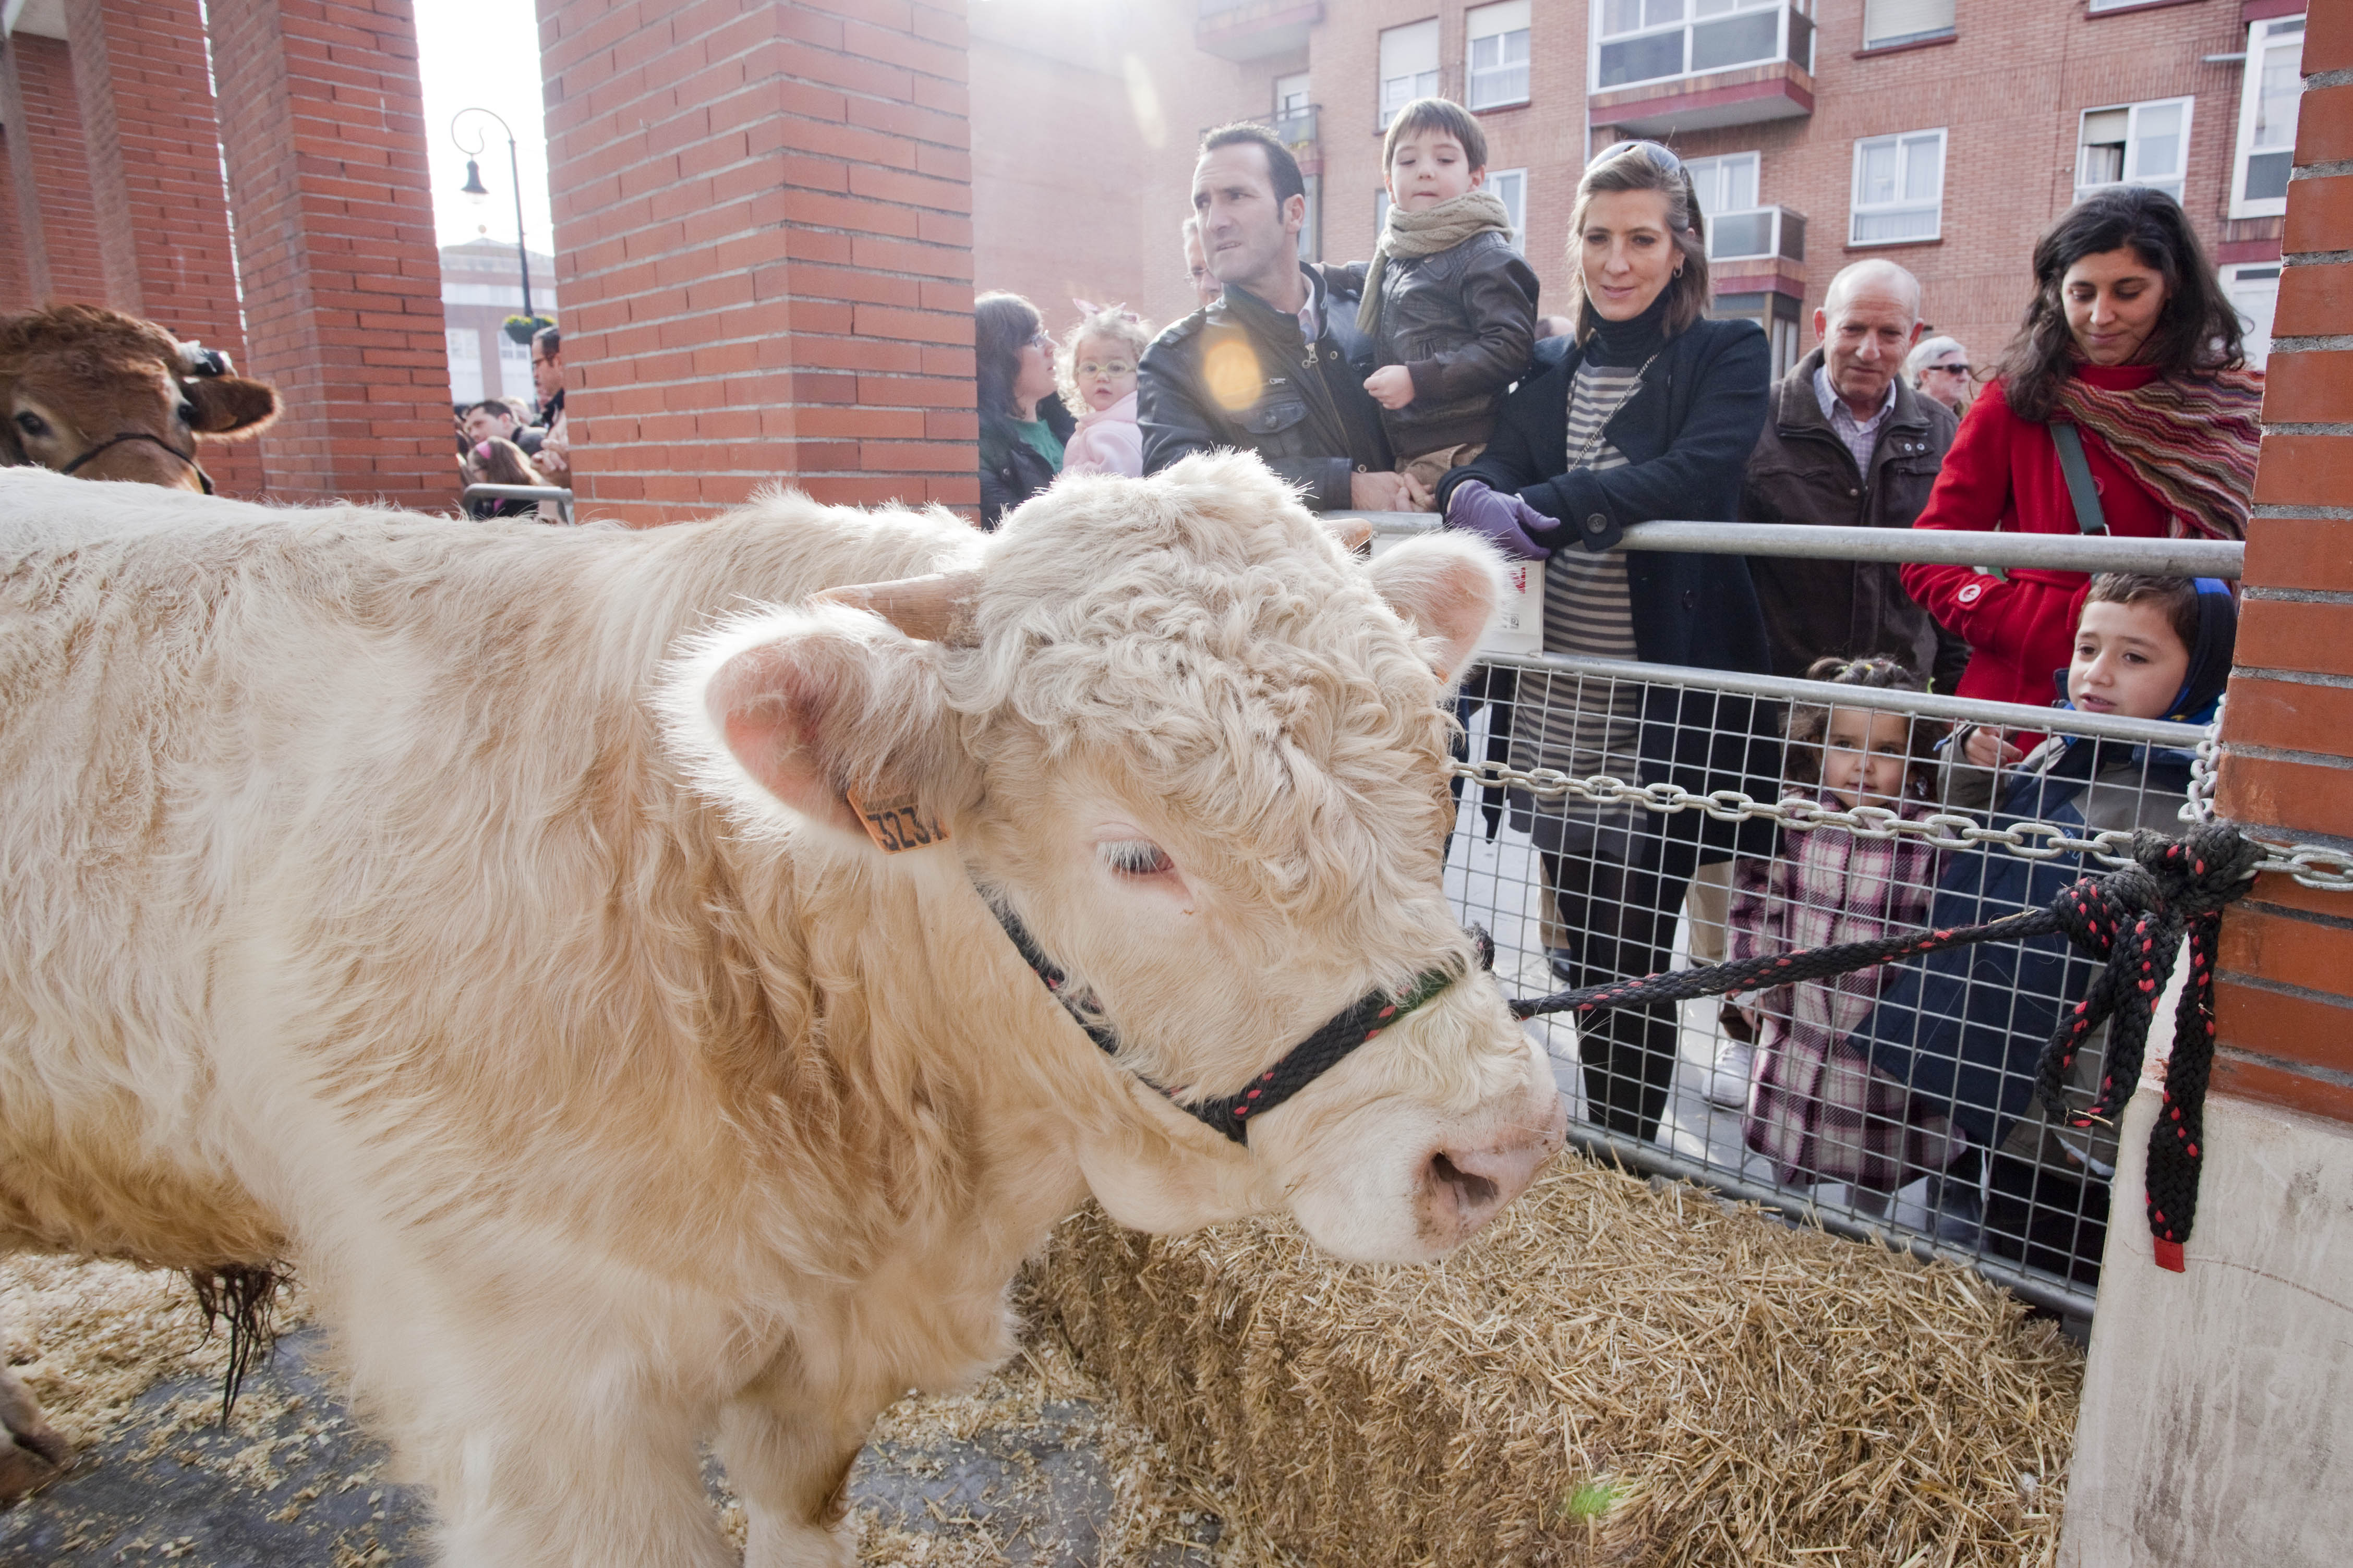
pixel 1467 1186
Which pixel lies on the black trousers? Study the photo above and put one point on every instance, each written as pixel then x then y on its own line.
pixel 1617 883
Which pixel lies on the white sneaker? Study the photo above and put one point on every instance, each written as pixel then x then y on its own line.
pixel 1727 1085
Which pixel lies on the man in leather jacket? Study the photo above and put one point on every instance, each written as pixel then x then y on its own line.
pixel 1273 367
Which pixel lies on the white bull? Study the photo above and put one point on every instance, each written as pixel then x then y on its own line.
pixel 476 917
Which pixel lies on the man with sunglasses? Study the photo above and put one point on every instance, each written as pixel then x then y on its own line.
pixel 1275 367
pixel 1939 368
pixel 1847 442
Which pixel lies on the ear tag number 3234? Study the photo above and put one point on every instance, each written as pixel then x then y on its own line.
pixel 898 825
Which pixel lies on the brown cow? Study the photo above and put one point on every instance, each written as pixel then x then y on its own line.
pixel 94 393
pixel 103 396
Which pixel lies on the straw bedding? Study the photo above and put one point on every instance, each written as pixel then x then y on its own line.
pixel 1613 1373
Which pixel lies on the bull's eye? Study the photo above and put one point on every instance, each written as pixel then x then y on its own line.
pixel 32 423
pixel 187 413
pixel 1138 857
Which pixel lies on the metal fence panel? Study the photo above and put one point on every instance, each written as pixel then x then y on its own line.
pixel 1885 1104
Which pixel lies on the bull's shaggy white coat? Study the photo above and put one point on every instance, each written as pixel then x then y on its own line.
pixel 469 915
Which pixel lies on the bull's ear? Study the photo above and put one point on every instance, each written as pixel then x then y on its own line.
pixel 229 405
pixel 1448 585
pixel 792 713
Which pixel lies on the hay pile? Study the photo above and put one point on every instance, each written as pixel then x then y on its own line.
pixel 1612 1373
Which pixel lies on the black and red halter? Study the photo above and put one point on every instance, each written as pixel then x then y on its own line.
pixel 1361 1022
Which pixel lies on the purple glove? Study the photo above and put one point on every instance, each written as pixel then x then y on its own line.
pixel 1504 520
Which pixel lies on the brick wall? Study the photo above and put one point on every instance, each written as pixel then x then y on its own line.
pixel 2285 999
pixel 325 138
pixel 763 237
pixel 151 145
pixel 21 253
pixel 67 266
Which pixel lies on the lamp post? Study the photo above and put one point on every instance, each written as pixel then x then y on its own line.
pixel 475 190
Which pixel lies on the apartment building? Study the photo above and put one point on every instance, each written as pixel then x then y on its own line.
pixel 1941 135
pixel 482 286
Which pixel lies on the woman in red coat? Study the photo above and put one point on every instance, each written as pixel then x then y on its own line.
pixel 2131 341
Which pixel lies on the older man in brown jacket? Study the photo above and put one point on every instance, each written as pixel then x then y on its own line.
pixel 1847 443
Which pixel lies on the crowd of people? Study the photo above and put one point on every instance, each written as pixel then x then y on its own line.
pixel 1426 379
pixel 507 441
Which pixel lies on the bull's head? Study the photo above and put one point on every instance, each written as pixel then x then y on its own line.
pixel 104 395
pixel 1199 749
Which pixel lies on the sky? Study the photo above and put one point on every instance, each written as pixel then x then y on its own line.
pixel 485 54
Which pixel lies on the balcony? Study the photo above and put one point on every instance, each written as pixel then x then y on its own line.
pixel 1757 233
pixel 1663 65
pixel 1254 29
pixel 1295 129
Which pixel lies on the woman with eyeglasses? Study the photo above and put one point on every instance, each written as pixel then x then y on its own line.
pixel 1023 425
pixel 2124 405
pixel 1939 368
pixel 1647 411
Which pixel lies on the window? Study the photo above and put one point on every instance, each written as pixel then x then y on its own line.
pixel 1409 66
pixel 2136 144
pixel 1647 40
pixel 514 370
pixel 1511 188
pixel 2254 293
pixel 1290 95
pixel 2267 103
pixel 1738 224
pixel 465 364
pixel 1725 184
pixel 1886 23
pixel 1899 189
pixel 1498 66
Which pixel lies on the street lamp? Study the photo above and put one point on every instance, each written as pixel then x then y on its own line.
pixel 475 190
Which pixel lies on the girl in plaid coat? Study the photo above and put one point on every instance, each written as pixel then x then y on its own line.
pixel 1816 1106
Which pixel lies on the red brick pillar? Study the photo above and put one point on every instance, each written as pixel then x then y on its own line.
pixel 764 236
pixel 24 259
pixel 152 145
pixel 324 135
pixel 67 266
pixel 2286 997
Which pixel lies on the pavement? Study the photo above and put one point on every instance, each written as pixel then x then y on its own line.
pixel 293 1483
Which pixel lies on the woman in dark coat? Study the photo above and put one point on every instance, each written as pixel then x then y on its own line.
pixel 1649 412
pixel 1023 424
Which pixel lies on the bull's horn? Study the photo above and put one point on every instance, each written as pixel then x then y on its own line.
pixel 937 608
pixel 1353 533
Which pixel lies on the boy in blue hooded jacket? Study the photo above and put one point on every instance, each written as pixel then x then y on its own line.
pixel 1966 1027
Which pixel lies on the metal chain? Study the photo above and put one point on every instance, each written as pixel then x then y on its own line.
pixel 2312 865
pixel 2203 761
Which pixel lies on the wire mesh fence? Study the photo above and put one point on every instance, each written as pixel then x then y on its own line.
pixel 1897 1101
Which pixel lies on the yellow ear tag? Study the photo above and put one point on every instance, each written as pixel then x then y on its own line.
pixel 896 825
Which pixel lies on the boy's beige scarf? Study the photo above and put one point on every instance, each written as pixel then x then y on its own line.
pixel 1425 232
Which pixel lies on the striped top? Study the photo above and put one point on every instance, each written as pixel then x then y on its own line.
pixel 1583 726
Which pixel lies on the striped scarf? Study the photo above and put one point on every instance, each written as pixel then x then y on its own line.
pixel 2192 441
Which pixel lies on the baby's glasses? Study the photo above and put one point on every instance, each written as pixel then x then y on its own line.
pixel 1113 368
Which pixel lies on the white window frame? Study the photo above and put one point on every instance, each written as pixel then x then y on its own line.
pixel 1703 170
pixel 1687 14
pixel 1505 20
pixel 1305 94
pixel 1416 83
pixel 2180 176
pixel 2274 32
pixel 1511 188
pixel 1874 7
pixel 1857 209
pixel 514 368
pixel 2258 334
pixel 465 350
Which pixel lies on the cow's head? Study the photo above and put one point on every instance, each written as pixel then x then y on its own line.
pixel 104 395
pixel 1200 750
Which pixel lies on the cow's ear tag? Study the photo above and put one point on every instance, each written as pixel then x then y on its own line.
pixel 898 825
